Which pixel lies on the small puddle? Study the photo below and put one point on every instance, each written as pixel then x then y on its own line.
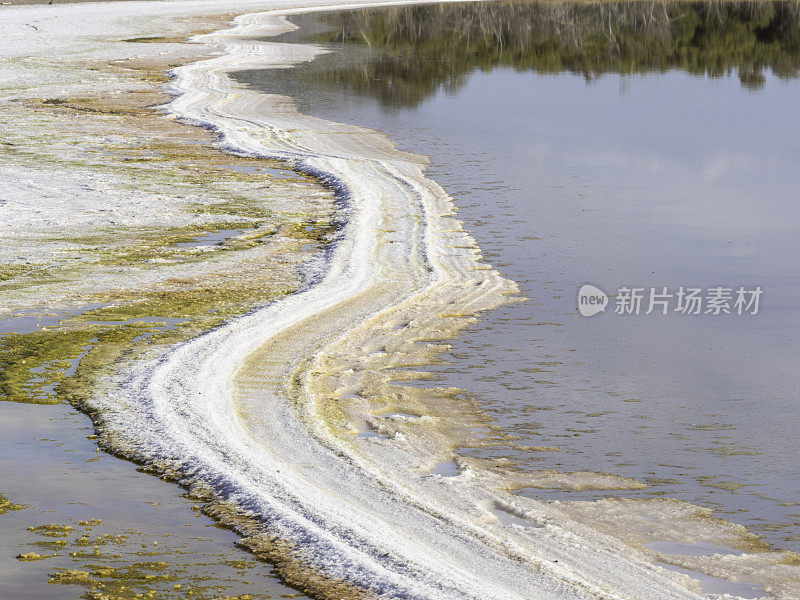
pixel 212 238
pixel 372 434
pixel 716 585
pixel 697 549
pixel 256 170
pixel 446 468
pixel 75 362
pixel 506 517
pixel 30 321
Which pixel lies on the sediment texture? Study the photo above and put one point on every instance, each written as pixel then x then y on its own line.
pixel 293 421
pixel 264 410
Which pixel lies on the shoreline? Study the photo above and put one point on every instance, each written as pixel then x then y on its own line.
pixel 234 343
pixel 98 507
pixel 361 280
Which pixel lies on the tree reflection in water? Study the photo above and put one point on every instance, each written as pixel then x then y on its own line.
pixel 417 50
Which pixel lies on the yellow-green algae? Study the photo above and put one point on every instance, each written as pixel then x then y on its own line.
pixel 30 363
pixel 36 362
pixel 10 271
pixel 34 366
pixel 33 556
pixel 52 530
pixel 168 573
pixel 7 505
pixel 123 137
pixel 153 244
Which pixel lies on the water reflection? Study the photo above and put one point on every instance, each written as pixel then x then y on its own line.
pixel 682 178
pixel 419 49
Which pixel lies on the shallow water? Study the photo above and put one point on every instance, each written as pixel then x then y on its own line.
pixel 148 532
pixel 49 464
pixel 643 169
pixel 716 585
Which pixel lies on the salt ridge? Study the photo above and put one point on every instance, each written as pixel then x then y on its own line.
pixel 242 409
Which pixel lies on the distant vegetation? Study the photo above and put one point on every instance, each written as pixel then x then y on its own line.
pixel 420 49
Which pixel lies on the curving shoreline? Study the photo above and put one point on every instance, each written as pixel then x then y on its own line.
pixel 261 416
pixel 346 511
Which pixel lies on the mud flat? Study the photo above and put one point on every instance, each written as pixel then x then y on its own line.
pixel 120 230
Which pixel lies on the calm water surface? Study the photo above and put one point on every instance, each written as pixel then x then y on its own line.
pixel 662 153
pixel 124 530
pixel 147 526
